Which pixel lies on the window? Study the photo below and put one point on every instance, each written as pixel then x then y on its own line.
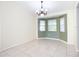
pixel 42 25
pixel 52 25
pixel 62 25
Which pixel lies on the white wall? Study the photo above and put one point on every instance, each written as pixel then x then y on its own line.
pixel 17 24
pixel 0 29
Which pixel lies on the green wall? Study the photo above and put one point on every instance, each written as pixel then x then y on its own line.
pixel 53 34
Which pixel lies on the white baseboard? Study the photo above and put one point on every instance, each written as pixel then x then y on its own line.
pixel 48 38
pixel 63 41
pixel 14 46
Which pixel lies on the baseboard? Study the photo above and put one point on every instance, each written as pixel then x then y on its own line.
pixel 49 38
pixel 14 46
pixel 63 41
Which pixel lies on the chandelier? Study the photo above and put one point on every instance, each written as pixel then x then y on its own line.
pixel 42 11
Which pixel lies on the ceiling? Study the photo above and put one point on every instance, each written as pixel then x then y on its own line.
pixel 51 6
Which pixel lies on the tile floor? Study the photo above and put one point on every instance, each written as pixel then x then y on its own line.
pixel 41 48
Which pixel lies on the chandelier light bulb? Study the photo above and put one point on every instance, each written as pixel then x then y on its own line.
pixel 42 15
pixel 42 9
pixel 46 10
pixel 37 12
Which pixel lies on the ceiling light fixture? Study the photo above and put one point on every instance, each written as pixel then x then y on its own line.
pixel 42 11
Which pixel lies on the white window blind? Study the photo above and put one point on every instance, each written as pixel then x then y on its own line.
pixel 52 25
pixel 62 25
pixel 42 25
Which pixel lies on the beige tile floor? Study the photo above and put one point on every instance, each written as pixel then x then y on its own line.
pixel 41 48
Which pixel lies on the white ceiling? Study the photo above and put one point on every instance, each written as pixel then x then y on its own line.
pixel 51 6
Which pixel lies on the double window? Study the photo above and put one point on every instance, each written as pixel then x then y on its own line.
pixel 51 25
